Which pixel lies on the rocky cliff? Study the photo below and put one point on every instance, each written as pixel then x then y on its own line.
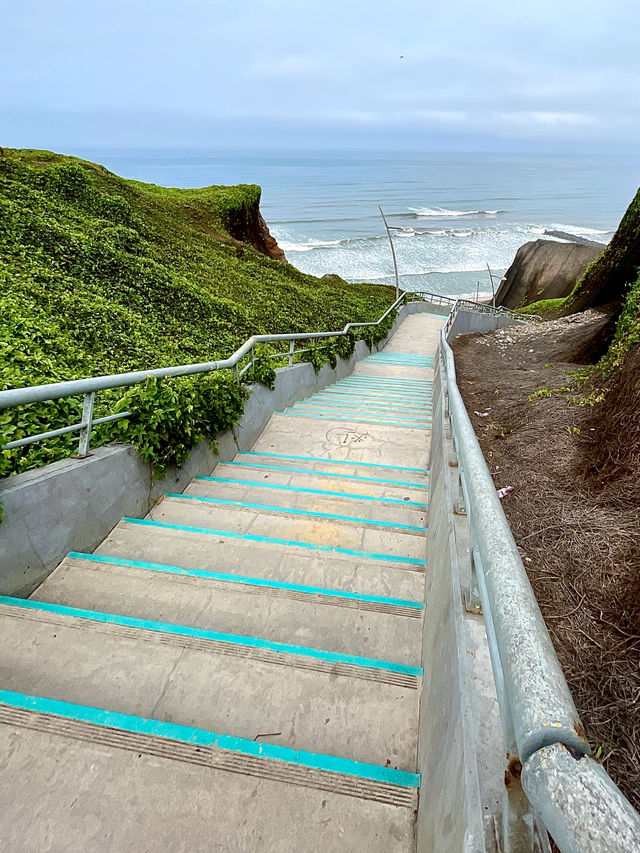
pixel 545 269
pixel 246 224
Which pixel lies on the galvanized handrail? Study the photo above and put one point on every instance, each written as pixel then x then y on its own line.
pixel 90 386
pixel 546 747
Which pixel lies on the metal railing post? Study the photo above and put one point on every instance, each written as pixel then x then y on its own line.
pixel 87 423
pixel 292 345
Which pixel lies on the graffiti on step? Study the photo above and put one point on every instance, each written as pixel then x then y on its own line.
pixel 340 437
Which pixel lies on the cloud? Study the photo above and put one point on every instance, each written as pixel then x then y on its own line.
pixel 287 67
pixel 548 118
pixel 539 71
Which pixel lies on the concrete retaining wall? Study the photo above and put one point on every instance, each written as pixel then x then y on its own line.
pixel 460 737
pixel 467 322
pixel 449 816
pixel 72 505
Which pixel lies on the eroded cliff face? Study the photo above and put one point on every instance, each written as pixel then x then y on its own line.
pixel 246 224
pixel 544 269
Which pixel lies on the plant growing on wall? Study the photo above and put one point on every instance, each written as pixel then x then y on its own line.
pixel 170 416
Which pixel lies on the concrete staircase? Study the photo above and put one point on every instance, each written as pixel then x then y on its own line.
pixel 240 670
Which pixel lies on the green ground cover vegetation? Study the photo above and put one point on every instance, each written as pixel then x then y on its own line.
pixel 99 274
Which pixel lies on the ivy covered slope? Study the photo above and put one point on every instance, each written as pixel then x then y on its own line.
pixel 99 274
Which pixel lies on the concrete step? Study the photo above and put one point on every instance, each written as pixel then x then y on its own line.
pixel 357 410
pixel 374 383
pixel 370 443
pixel 346 400
pixel 338 460
pixel 392 371
pixel 356 708
pixel 372 512
pixel 79 780
pixel 355 423
pixel 137 539
pixel 384 628
pixel 401 488
pixel 318 534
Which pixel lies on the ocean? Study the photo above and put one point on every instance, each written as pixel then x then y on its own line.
pixel 452 214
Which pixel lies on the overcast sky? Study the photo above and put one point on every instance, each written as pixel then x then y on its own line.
pixel 410 74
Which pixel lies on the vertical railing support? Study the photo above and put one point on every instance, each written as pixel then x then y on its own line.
pixel 87 422
pixel 292 346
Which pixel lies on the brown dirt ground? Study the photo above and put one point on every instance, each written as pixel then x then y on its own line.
pixel 575 511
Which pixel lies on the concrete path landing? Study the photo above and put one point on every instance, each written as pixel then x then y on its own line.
pixel 241 670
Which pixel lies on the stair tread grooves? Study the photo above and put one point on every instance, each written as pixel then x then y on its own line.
pixel 245 455
pixel 257 506
pixel 389 495
pixel 380 630
pixel 100 666
pixel 317 813
pixel 313 535
pixel 283 469
pixel 252 492
pixel 197 551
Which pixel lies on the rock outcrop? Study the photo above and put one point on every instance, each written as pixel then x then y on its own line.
pixel 545 269
pixel 246 224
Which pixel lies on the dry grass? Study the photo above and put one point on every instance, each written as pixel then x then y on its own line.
pixel 575 512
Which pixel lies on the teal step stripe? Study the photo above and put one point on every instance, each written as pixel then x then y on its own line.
pixel 405 356
pixel 355 415
pixel 422 360
pixel 370 388
pixel 383 353
pixel 291 470
pixel 291 511
pixel 421 391
pixel 202 634
pixel 271 540
pixel 383 366
pixel 408 393
pixel 377 379
pixel 353 420
pixel 402 362
pixel 354 403
pixel 332 461
pixel 400 398
pixel 245 580
pixel 410 397
pixel 347 406
pixel 260 484
pixel 204 738
pixel 387 380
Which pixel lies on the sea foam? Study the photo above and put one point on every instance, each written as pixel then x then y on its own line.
pixel 443 211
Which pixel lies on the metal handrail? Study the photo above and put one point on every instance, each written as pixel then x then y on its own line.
pixel 549 772
pixel 90 386
pixel 535 689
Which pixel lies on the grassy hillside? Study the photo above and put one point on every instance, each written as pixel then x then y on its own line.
pixel 99 274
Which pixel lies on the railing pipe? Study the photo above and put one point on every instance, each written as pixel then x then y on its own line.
pixel 75 387
pixel 537 693
pixel 579 804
